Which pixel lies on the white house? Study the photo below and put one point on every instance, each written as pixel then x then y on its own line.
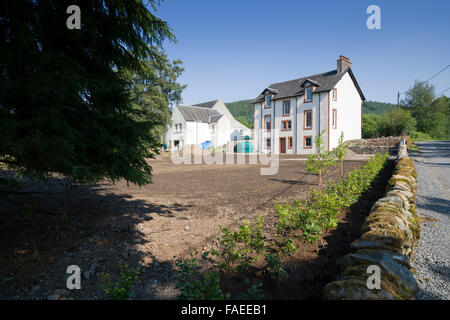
pixel 300 109
pixel 208 121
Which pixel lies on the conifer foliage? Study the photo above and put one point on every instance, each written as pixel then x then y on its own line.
pixel 67 98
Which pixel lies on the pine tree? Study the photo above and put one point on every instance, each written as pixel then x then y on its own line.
pixel 67 97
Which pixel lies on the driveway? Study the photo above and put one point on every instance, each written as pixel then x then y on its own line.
pixel 432 257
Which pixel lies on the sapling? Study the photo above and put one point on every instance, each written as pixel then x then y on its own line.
pixel 341 152
pixel 318 162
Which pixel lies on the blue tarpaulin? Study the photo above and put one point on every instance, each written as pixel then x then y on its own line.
pixel 206 145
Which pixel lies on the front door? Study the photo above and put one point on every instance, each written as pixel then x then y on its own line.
pixel 282 145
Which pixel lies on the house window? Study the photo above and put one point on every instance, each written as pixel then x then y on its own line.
pixel 290 142
pixel 286 108
pixel 178 127
pixel 286 125
pixel 307 142
pixel 308 94
pixel 307 119
pixel 334 94
pixel 267 123
pixel 334 119
pixel 267 104
pixel 267 143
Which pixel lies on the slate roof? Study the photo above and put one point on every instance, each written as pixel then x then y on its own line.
pixel 199 114
pixel 208 104
pixel 292 88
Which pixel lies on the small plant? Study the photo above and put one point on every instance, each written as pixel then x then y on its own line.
pixel 193 286
pixel 120 289
pixel 274 264
pixel 318 162
pixel 254 292
pixel 239 248
pixel 341 152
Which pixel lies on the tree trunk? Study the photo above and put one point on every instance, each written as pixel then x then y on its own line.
pixel 342 169
pixel 320 177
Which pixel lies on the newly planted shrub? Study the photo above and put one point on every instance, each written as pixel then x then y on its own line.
pixel 194 286
pixel 239 248
pixel 254 291
pixel 274 264
pixel 120 288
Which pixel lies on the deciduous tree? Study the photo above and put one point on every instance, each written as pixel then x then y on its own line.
pixel 319 161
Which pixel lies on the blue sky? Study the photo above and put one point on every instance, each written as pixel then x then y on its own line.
pixel 233 49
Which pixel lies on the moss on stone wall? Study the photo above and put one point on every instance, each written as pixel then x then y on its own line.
pixel 388 234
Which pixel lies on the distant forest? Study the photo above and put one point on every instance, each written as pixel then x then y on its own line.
pixel 243 110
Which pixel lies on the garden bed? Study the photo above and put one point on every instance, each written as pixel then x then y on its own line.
pixel 303 273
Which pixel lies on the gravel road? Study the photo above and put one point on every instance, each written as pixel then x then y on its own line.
pixel 432 258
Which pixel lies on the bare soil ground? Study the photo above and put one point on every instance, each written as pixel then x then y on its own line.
pixel 96 227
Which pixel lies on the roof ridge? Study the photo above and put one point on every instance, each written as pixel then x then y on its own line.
pixel 197 107
pixel 313 75
pixel 205 102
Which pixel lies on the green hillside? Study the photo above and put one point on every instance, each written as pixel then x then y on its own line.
pixel 243 110
pixel 379 108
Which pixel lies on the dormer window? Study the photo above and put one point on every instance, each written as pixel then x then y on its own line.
pixel 267 101
pixel 308 94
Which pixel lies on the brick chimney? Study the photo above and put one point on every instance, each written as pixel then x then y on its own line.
pixel 343 63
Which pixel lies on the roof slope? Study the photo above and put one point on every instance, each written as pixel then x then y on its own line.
pixel 292 88
pixel 199 114
pixel 208 104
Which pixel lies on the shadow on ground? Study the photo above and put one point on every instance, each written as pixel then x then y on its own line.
pixel 434 204
pixel 42 233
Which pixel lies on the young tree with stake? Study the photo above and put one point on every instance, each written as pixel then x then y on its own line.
pixel 318 162
pixel 341 152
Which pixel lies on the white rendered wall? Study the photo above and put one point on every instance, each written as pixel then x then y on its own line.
pixel 303 106
pixel 348 107
pixel 171 136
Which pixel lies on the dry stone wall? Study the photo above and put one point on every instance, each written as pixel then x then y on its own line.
pixel 388 236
